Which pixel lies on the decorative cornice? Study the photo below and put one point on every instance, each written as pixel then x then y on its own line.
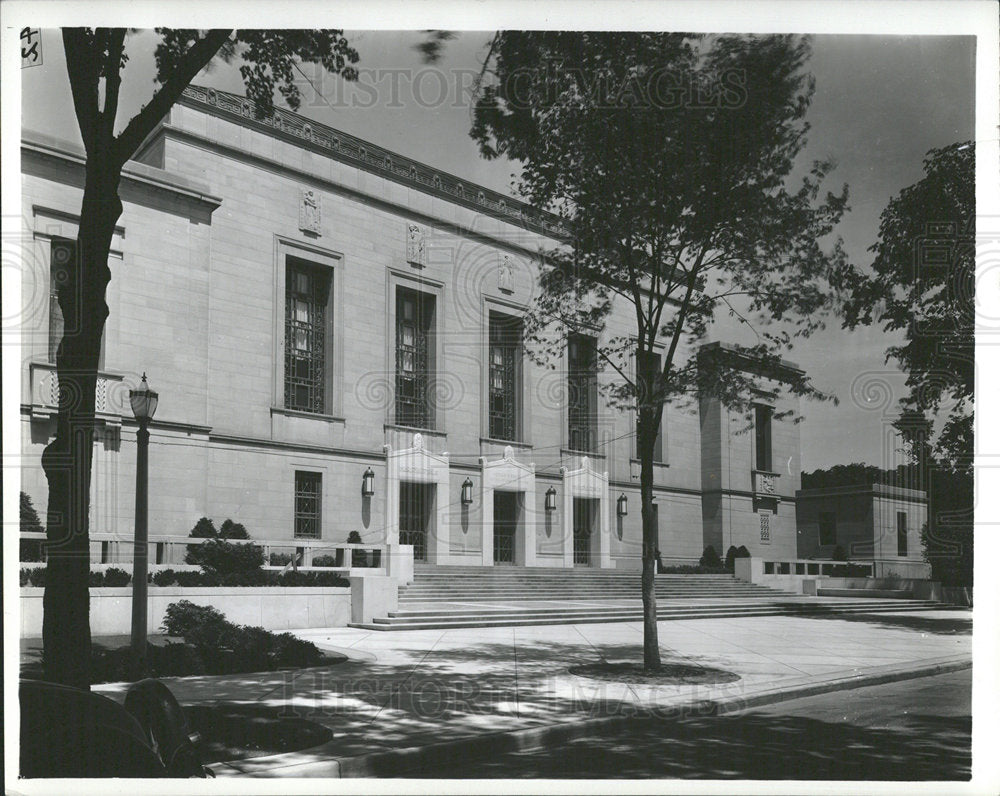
pixel 780 370
pixel 321 138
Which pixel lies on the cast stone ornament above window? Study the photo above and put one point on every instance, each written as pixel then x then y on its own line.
pixel 414 245
pixel 310 211
pixel 505 280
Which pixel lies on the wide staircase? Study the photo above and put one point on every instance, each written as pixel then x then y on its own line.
pixel 462 596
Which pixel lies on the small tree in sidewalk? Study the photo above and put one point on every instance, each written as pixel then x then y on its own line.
pixel 669 156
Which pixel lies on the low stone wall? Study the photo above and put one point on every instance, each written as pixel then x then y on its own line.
pixel 277 608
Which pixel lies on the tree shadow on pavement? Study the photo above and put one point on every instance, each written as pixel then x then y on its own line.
pixel 751 746
pixel 956 625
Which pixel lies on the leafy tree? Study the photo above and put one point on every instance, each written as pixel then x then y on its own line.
pixel 29 517
pixel 670 158
pixel 94 59
pixel 922 283
pixel 30 549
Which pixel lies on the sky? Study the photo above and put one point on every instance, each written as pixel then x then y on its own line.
pixel 881 103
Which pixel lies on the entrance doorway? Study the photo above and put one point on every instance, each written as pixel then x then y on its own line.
pixel 585 512
pixel 506 515
pixel 415 504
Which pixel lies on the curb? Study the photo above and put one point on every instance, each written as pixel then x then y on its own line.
pixel 399 761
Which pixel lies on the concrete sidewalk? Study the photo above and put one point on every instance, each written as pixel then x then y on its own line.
pixel 403 696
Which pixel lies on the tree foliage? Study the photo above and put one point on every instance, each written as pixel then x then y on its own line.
pixel 671 159
pixel 922 282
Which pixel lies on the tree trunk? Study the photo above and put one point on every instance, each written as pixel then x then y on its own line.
pixel 67 459
pixel 647 428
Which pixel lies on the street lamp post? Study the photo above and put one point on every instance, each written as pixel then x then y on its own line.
pixel 143 402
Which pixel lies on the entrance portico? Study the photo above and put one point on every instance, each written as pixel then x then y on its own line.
pixel 418 466
pixel 508 475
pixel 585 489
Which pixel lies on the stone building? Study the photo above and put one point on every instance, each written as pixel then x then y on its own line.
pixel 314 309
pixel 868 522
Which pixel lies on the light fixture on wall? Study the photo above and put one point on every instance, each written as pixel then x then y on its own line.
pixel 622 505
pixel 368 483
pixel 467 492
pixel 550 499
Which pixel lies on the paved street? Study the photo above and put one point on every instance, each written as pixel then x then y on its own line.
pixel 911 730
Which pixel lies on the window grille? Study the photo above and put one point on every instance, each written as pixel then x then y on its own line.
pixel 505 342
pixel 308 504
pixel 306 296
pixel 413 314
pixel 582 393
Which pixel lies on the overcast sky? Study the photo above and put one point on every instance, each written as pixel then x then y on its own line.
pixel 881 103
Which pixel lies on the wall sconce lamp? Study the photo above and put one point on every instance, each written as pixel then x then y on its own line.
pixel 368 483
pixel 550 499
pixel 622 505
pixel 467 492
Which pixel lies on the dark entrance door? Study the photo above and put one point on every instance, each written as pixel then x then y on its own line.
pixel 415 502
pixel 505 514
pixel 584 516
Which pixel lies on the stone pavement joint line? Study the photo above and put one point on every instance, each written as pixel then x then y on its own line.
pixel 489 689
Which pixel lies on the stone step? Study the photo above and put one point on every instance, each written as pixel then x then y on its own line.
pixel 896 594
pixel 555 596
pixel 666 614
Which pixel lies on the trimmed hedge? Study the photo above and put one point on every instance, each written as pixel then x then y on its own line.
pixel 168 577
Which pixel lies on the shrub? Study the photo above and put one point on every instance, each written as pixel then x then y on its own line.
pixel 24 575
pixel 710 558
pixel 177 660
pixel 203 529
pixel 293 578
pixel 233 530
pixel 116 577
pixel 325 561
pixel 184 618
pixel 31 550
pixel 742 552
pixel 223 558
pixel 37 576
pixel 251 578
pixel 185 578
pixel 96 579
pixel 224 647
pixel 290 650
pixel 110 665
pixel 327 579
pixel 165 577
pixel 730 558
pixel 280 559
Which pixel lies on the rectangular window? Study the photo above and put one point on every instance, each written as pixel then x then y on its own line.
pixel 414 357
pixel 308 504
pixel 646 392
pixel 901 533
pixel 504 376
pixel 582 393
pixel 827 528
pixel 762 436
pixel 60 264
pixel 307 295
